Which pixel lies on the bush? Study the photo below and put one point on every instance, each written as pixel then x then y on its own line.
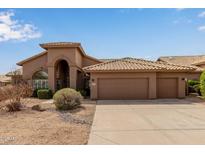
pixel 193 82
pixel 11 96
pixel 44 94
pixel 193 86
pixel 197 89
pixel 82 92
pixel 67 98
pixel 13 106
pixel 202 84
pixel 35 93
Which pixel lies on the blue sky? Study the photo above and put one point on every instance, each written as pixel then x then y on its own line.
pixel 104 33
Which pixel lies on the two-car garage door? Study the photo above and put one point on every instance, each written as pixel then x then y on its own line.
pixel 135 88
pixel 123 88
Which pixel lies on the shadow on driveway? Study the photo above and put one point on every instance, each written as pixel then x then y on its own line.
pixel 187 100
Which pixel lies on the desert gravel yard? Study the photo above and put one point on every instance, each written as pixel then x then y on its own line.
pixel 171 121
pixel 47 127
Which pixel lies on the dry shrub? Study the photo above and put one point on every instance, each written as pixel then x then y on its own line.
pixel 67 99
pixel 11 95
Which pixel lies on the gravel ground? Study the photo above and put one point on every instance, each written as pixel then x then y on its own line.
pixel 47 127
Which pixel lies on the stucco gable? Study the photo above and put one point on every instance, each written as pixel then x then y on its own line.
pixel 32 58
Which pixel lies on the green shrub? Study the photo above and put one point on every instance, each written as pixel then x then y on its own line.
pixel 82 92
pixel 193 82
pixel 202 84
pixel 194 86
pixel 67 98
pixel 197 89
pixel 44 94
pixel 35 93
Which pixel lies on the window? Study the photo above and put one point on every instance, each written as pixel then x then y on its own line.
pixel 40 80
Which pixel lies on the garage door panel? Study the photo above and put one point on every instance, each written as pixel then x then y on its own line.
pixel 167 87
pixel 117 88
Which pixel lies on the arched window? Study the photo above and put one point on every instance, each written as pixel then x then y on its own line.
pixel 40 80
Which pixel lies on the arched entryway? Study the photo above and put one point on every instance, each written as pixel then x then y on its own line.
pixel 62 75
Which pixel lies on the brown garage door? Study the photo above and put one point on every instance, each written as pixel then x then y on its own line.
pixel 167 87
pixel 130 88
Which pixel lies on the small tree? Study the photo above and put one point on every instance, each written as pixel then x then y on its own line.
pixel 16 75
pixel 202 84
pixel 11 95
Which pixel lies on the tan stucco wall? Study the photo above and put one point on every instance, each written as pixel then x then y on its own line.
pixel 152 77
pixel 32 66
pixel 193 76
pixel 57 54
pixel 78 58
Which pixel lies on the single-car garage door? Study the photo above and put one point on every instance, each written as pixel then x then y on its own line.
pixel 123 88
pixel 167 88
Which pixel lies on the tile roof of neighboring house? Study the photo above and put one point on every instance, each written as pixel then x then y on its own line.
pixel 183 60
pixel 133 64
pixel 5 79
pixel 106 60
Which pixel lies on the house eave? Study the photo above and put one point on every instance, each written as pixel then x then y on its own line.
pixel 138 71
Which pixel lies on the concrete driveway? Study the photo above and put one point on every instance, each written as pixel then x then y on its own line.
pixel 176 121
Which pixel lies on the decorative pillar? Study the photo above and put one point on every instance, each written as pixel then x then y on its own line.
pixel 153 86
pixel 181 87
pixel 51 78
pixel 93 87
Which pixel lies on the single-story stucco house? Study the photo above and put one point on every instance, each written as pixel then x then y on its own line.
pixel 65 64
pixel 4 80
pixel 194 60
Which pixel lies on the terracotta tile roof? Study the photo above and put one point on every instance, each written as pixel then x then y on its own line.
pixel 59 44
pixel 133 64
pixel 183 60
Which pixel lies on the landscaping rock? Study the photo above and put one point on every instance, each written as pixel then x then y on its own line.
pixel 38 108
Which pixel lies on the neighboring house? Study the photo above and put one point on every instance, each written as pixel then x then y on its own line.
pixel 15 75
pixel 196 60
pixel 65 64
pixel 11 77
pixel 4 80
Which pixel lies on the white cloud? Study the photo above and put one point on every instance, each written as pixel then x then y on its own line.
pixel 11 29
pixel 201 15
pixel 201 28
